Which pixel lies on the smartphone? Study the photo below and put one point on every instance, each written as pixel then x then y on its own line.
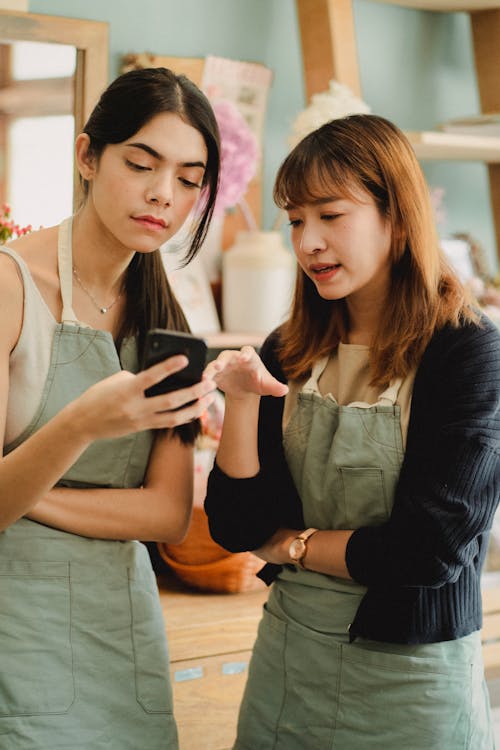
pixel 161 344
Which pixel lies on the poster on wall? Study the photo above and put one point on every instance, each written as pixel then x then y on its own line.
pixel 246 84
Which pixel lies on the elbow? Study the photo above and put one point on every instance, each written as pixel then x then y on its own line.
pixel 231 542
pixel 441 574
pixel 238 536
pixel 175 536
pixel 448 567
pixel 173 529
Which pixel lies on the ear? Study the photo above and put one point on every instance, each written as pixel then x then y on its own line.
pixel 85 161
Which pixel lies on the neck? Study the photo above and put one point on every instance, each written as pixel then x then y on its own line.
pixel 99 259
pixel 365 313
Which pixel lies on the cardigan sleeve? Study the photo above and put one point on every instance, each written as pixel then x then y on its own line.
pixel 245 513
pixel 449 486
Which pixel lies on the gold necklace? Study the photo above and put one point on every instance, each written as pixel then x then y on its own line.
pixel 89 294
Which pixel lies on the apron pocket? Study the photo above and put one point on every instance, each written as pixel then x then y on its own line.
pixel 312 680
pixel 152 678
pixel 265 688
pixel 36 665
pixel 393 700
pixel 364 487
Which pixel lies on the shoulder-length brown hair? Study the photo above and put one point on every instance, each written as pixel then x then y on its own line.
pixel 369 152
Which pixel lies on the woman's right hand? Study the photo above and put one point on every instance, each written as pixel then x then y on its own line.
pixel 117 405
pixel 242 373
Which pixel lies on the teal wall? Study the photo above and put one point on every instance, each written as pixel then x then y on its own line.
pixel 416 68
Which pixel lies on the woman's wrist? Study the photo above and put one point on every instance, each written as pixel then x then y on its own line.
pixel 75 423
pixel 244 400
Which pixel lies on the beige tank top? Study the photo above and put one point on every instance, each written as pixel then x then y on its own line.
pixel 30 359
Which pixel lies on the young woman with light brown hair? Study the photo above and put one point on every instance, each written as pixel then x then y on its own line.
pixel 360 459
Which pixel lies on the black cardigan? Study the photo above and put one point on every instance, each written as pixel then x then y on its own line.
pixel 422 567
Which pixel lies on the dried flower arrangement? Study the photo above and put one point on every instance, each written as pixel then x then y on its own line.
pixel 337 101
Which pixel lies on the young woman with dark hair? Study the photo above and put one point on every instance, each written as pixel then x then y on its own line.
pixel 360 459
pixel 89 463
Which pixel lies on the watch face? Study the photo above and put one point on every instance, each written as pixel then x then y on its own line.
pixel 297 549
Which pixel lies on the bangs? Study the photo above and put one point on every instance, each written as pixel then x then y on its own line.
pixel 308 175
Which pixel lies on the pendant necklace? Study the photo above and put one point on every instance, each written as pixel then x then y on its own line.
pixel 102 310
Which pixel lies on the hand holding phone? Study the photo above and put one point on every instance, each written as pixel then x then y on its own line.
pixel 161 344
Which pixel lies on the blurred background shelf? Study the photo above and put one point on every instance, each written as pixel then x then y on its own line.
pixel 446 6
pixel 454 146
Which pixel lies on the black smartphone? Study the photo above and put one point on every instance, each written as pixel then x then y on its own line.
pixel 161 344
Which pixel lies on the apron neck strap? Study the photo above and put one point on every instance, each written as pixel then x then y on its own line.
pixel 390 395
pixel 317 369
pixel 387 398
pixel 65 264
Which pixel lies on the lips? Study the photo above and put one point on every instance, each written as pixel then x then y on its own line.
pixel 151 222
pixel 318 268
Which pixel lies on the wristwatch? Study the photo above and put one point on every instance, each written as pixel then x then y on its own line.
pixel 298 548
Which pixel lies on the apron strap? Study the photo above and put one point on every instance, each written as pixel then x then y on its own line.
pixel 390 395
pixel 65 264
pixel 387 398
pixel 311 386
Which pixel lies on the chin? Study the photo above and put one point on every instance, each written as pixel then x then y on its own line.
pixel 330 296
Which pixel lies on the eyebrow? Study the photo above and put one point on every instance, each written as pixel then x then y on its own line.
pixel 318 202
pixel 156 155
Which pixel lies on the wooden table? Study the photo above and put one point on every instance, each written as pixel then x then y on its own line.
pixel 210 638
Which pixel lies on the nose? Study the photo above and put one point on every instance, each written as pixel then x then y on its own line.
pixel 160 191
pixel 312 239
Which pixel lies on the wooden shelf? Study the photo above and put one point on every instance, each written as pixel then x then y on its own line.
pixel 453 146
pixel 446 6
pixel 230 340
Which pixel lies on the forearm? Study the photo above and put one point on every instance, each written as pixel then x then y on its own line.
pixel 30 471
pixel 237 453
pixel 116 513
pixel 326 551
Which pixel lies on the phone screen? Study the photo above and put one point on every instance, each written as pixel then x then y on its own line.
pixel 161 344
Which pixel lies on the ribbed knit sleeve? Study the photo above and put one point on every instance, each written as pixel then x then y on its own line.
pixel 244 513
pixel 449 486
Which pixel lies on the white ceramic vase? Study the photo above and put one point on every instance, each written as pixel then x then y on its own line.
pixel 258 274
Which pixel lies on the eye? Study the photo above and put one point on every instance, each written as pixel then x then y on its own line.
pixel 330 216
pixel 136 167
pixel 295 222
pixel 189 183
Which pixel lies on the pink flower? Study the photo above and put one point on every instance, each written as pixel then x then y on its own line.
pixel 239 155
pixel 8 228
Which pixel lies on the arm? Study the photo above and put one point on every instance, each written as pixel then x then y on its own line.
pixel 159 511
pixel 245 511
pixel 449 486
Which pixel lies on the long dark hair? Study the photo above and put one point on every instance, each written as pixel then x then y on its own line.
pixel 370 153
pixel 128 103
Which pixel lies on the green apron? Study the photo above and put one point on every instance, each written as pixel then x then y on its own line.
pixel 84 659
pixel 308 687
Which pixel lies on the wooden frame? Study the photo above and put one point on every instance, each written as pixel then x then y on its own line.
pixel 328 44
pixel 91 41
